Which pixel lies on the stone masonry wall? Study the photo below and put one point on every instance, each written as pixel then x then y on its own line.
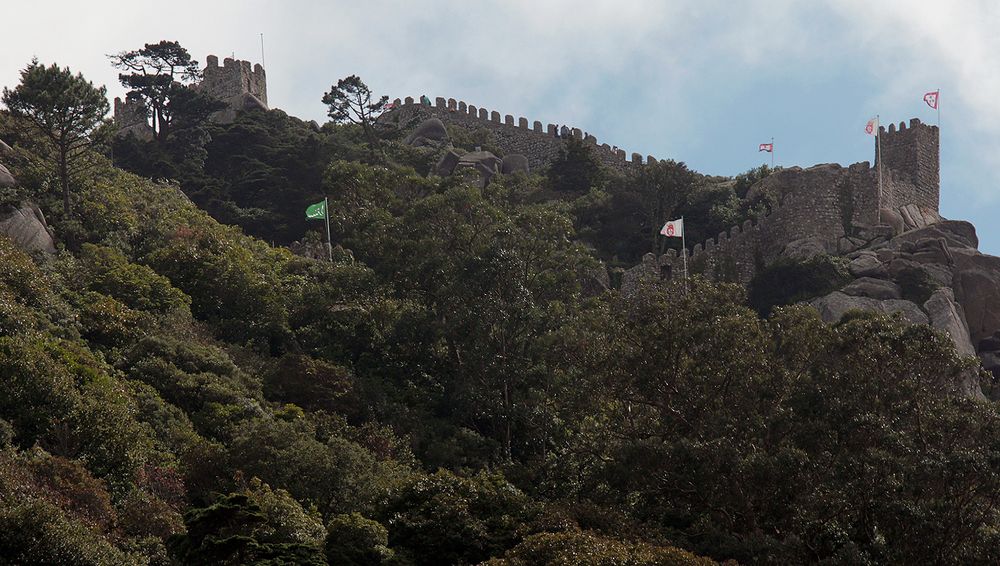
pixel 539 144
pixel 910 155
pixel 233 79
pixel 826 203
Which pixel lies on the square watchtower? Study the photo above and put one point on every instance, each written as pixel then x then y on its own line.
pixel 911 172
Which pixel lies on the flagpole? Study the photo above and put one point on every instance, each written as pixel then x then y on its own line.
pixel 329 240
pixel 772 152
pixel 684 249
pixel 878 157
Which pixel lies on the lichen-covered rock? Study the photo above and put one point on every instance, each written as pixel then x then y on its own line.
pixel 514 163
pixel 893 219
pixel 977 286
pixel 873 288
pixel 26 227
pixel 6 179
pixel 956 233
pixel 832 307
pixel 803 248
pixel 481 158
pixel 945 314
pixel 430 132
pixel 867 266
pixel 446 165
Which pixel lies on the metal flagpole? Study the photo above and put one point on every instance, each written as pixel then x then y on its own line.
pixel 878 157
pixel 772 152
pixel 329 240
pixel 684 249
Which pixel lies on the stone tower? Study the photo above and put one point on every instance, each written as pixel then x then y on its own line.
pixel 132 118
pixel 236 84
pixel 911 168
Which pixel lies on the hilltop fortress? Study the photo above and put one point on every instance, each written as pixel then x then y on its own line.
pixel 828 208
pixel 236 83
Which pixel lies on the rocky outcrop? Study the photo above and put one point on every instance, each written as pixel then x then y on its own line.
pixel 932 275
pixel 514 163
pixel 873 289
pixel 25 226
pixel 834 306
pixel 430 132
pixel 6 179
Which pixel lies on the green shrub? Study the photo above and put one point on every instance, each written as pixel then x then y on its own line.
pixel 353 540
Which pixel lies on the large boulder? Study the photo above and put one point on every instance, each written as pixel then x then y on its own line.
pixel 5 149
pixel 430 132
pixel 867 265
pixel 25 226
pixel 977 286
pixel 947 315
pixel 481 158
pixel 956 233
pixel 514 163
pixel 873 288
pixel 446 165
pixel 804 248
pixel 893 219
pixel 834 306
pixel 6 179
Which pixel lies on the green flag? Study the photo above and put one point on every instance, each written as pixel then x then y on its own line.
pixel 317 211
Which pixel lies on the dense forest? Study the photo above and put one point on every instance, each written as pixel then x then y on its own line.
pixel 178 387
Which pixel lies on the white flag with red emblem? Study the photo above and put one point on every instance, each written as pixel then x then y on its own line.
pixel 871 128
pixel 673 228
pixel 768 147
pixel 931 98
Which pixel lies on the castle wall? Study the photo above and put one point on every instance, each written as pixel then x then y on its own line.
pixel 829 204
pixel 539 144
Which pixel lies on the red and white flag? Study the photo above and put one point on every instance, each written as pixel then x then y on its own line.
pixel 871 128
pixel 768 147
pixel 931 98
pixel 673 228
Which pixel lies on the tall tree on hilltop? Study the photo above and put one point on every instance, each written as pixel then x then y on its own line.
pixel 350 101
pixel 155 74
pixel 65 108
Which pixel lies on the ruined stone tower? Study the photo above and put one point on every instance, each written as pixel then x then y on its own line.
pixel 132 118
pixel 910 156
pixel 236 84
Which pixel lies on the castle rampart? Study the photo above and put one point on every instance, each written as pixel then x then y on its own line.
pixel 835 208
pixel 539 144
pixel 829 205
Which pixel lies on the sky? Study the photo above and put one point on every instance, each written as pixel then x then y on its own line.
pixel 698 81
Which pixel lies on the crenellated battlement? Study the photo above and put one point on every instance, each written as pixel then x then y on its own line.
pixel 237 83
pixel 911 156
pixel 549 137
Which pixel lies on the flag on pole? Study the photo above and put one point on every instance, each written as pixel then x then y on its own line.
pixel 871 128
pixel 673 228
pixel 768 147
pixel 931 98
pixel 316 211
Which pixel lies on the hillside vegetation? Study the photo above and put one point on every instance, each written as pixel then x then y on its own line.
pixel 450 389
